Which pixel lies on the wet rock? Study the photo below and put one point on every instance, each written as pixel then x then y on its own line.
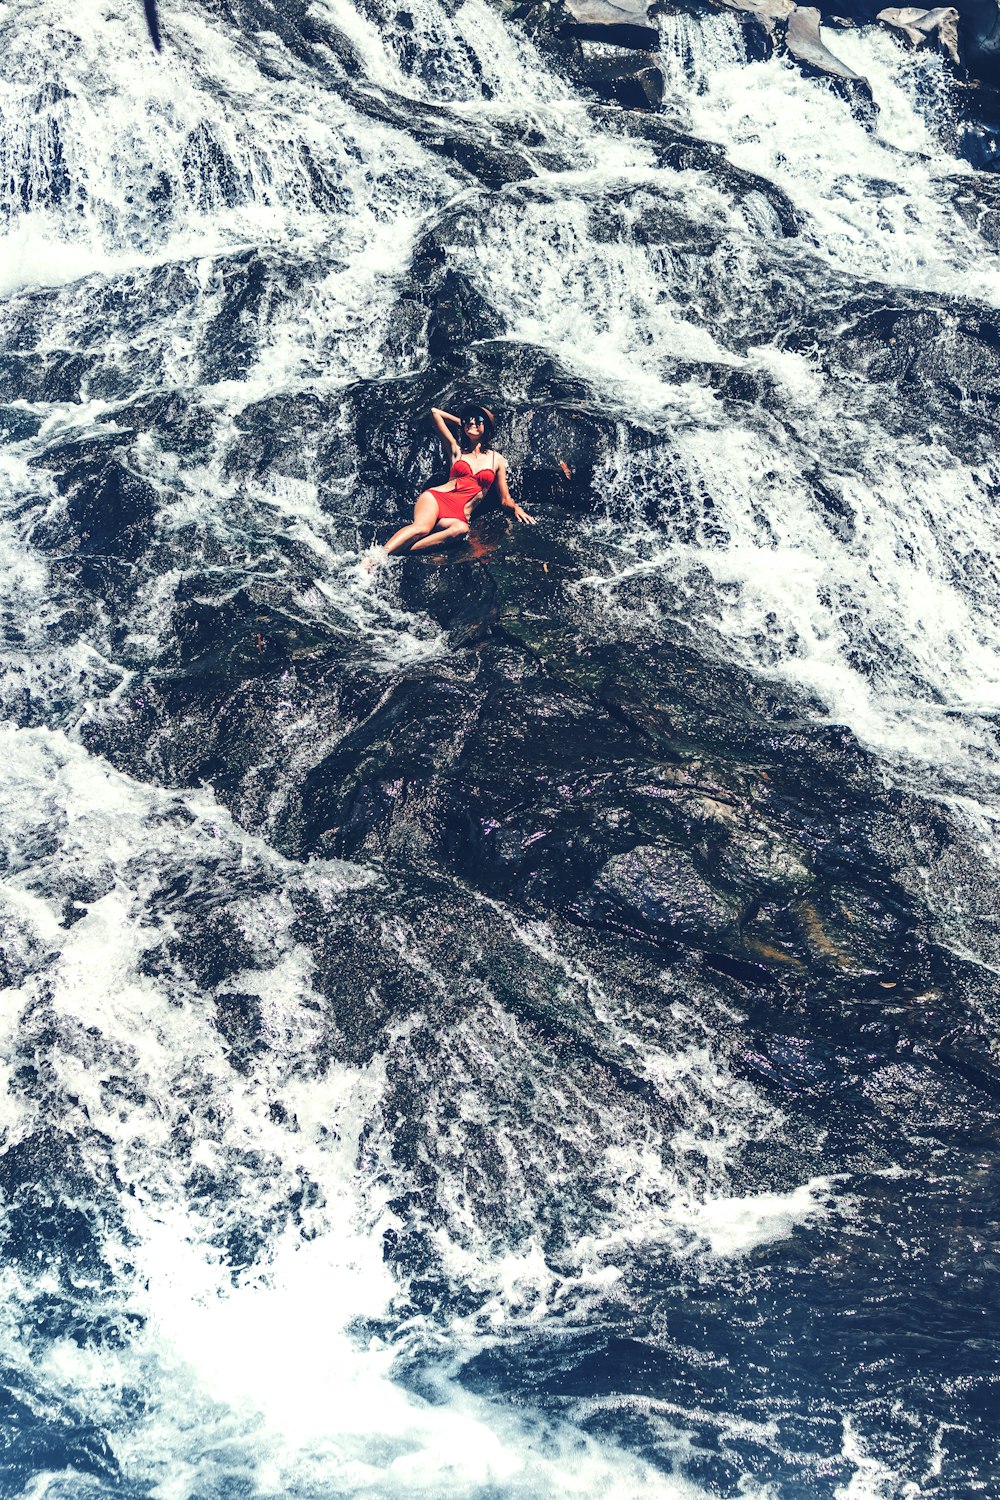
pixel 41 1437
pixel 741 387
pixel 979 38
pixel 224 634
pixel 247 291
pixel 852 929
pixel 531 784
pixel 768 15
pixel 444 133
pixel 977 200
pixel 240 1021
pixel 556 451
pixel 977 124
pixel 235 729
pixel 630 79
pixel 176 418
pixel 16 423
pixel 974 1054
pixel 59 1201
pixel 370 793
pixel 857 928
pixel 55 375
pixel 757 861
pixel 940 361
pixel 837 512
pixel 645 219
pixel 661 891
pixel 458 316
pixel 919 26
pixel 682 153
pixel 108 509
pixel 367 987
pixel 469 612
pixel 283 435
pixel 621 23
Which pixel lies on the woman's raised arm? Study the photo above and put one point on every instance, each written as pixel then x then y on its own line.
pixel 441 419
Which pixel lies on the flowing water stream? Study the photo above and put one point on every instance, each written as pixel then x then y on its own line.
pixel 344 1175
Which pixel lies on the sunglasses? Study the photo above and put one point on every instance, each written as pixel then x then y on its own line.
pixel 472 421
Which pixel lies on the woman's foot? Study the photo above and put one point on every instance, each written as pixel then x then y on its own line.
pixel 376 557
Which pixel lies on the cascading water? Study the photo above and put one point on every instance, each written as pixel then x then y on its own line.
pixel 484 1031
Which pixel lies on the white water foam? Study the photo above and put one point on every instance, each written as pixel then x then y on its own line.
pixel 876 203
pixel 260 1373
pixel 885 626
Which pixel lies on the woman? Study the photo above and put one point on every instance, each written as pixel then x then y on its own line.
pixel 443 515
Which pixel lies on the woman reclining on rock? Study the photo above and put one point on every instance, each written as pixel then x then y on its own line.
pixel 441 516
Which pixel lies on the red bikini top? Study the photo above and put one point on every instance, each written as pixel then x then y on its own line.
pixel 460 469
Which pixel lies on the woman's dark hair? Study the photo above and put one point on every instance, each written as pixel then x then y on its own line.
pixel 489 425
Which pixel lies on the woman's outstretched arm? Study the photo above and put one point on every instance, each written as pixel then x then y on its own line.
pixel 441 419
pixel 504 492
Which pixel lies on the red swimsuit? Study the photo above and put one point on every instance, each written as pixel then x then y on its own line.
pixel 469 486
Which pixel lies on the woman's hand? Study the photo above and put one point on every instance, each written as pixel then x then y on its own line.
pixel 506 499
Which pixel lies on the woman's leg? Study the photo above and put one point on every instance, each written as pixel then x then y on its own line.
pixel 448 531
pixel 425 514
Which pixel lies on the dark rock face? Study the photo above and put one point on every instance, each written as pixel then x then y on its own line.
pixel 62 1442
pixel 108 509
pixel 606 47
pixel 631 79
pixel 621 788
pixel 452 772
pixel 979 34
pixel 943 360
pixel 640 793
pixel 662 892
pixel 637 793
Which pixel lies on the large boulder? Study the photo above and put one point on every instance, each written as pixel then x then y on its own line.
pixel 918 26
pixel 631 79
pixel 621 23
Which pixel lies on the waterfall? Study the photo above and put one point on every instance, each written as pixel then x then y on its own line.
pixel 331 1164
